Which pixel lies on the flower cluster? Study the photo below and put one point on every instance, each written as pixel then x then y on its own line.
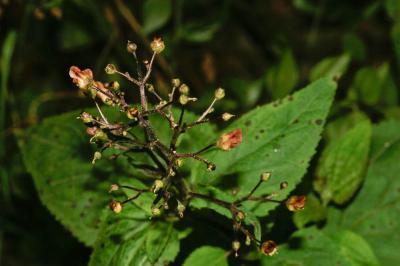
pixel 172 195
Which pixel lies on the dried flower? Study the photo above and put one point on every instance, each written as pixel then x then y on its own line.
pixel 82 78
pixel 211 167
pixel 115 206
pixel 230 140
pixel 240 215
pixel 110 69
pixel 176 82
pixel 158 184
pixel 157 45
pixel 269 248
pixel 86 117
pixel 296 203
pixel 132 113
pixel 113 187
pixel 181 209
pixel 283 185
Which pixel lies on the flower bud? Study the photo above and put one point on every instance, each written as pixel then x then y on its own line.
pixel 183 99
pixel 180 208
pixel 269 248
pixel 131 47
pixel 150 87
pixel 99 135
pixel 86 117
pixel 265 176
pixel 110 69
pixel 283 185
pixel 296 203
pixel 132 113
pixel 184 89
pixel 115 86
pixel 176 82
pixel 158 184
pixel 211 167
pixel 227 116
pixel 96 156
pixel 179 162
pixel 115 206
pixel 113 187
pixel 240 215
pixel 236 247
pixel 248 241
pixel 230 140
pixel 155 211
pixel 219 93
pixel 91 131
pixel 157 45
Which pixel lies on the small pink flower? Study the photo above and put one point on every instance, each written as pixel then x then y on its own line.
pixel 230 140
pixel 82 78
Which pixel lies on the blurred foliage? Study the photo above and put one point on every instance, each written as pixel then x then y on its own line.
pixel 259 51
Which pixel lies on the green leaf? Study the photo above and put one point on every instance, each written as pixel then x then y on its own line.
pixel 374 212
pixel 311 246
pixel 282 78
pixel 130 238
pixel 280 137
pixel 331 67
pixel 72 36
pixel 341 167
pixel 338 127
pixel 199 31
pixel 156 13
pixel 354 46
pixel 207 255
pixel 313 212
pixel 58 155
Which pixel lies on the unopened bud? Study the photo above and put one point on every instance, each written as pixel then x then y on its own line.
pixel 158 184
pixel 132 113
pixel 115 86
pixel 236 247
pixel 269 248
pixel 150 87
pixel 283 185
pixel 176 82
pixel 180 208
pixel 113 187
pixel 296 203
pixel 265 176
pixel 179 162
pixel 248 241
pixel 157 45
pixel 91 131
pixel 219 93
pixel 96 156
pixel 155 211
pixel 211 167
pixel 131 47
pixel 110 69
pixel 227 116
pixel 115 206
pixel 183 99
pixel 100 135
pixel 240 215
pixel 184 89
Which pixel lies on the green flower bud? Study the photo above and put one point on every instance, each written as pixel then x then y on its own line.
pixel 131 47
pixel 227 116
pixel 184 89
pixel 176 82
pixel 96 156
pixel 110 69
pixel 219 93
pixel 158 184
pixel 183 99
pixel 265 176
pixel 155 211
pixel 150 87
pixel 157 45
pixel 86 117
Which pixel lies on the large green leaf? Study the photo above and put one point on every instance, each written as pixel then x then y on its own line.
pixel 375 211
pixel 280 137
pixel 156 14
pixel 130 238
pixel 207 255
pixel 341 167
pixel 311 246
pixel 58 155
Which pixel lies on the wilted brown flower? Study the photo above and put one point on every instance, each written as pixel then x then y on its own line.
pixel 82 78
pixel 115 206
pixel 295 203
pixel 269 248
pixel 230 140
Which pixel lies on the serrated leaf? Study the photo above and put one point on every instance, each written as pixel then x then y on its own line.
pixel 58 155
pixel 207 255
pixel 130 238
pixel 374 212
pixel 282 78
pixel 156 14
pixel 280 138
pixel 311 246
pixel 338 127
pixel 341 167
pixel 331 67
pixel 313 212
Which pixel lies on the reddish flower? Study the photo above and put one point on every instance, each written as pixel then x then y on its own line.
pixel 296 203
pixel 269 248
pixel 82 78
pixel 230 140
